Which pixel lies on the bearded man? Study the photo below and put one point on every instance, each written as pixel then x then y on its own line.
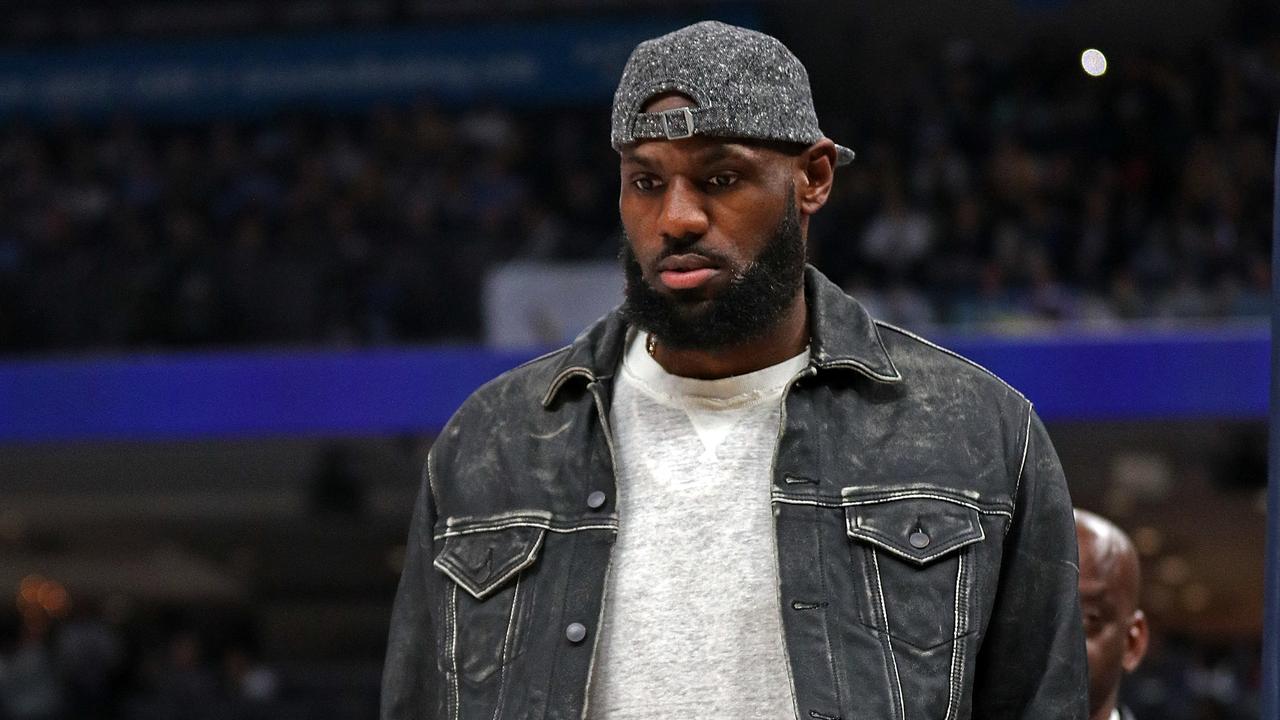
pixel 737 496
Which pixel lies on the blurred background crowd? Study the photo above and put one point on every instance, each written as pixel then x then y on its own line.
pixel 998 188
pixel 990 190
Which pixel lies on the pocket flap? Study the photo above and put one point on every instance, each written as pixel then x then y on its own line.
pixel 916 528
pixel 482 561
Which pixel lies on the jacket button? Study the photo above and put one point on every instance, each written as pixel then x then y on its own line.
pixel 596 499
pixel 918 540
pixel 576 632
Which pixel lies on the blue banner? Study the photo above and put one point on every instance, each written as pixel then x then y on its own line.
pixel 1151 375
pixel 531 63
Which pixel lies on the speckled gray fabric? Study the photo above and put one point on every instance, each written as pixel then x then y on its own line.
pixel 745 84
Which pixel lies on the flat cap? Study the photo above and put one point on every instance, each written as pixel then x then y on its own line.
pixel 744 84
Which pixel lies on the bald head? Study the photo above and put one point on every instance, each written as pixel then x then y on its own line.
pixel 1109 554
pixel 1115 629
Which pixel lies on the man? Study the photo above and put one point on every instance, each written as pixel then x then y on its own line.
pixel 737 496
pixel 1115 627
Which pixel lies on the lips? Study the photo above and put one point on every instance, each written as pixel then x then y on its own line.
pixel 686 271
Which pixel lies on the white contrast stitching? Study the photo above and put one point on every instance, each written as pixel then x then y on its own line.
pixel 470 520
pixel 477 592
pixel 560 379
pixel 595 642
pixel 957 631
pixel 884 612
pixel 901 494
pixel 608 568
pixel 982 535
pixel 961 640
pixel 1026 443
pixel 952 353
pixel 603 414
pixel 453 652
pixel 860 367
pixel 782 498
pixel 917 494
pixel 608 525
pixel 506 641
pixel 431 482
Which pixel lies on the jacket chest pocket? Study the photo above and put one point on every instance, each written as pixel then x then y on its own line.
pixel 914 553
pixel 483 619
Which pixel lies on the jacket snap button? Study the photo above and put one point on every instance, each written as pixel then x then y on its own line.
pixel 576 632
pixel 918 540
pixel 595 500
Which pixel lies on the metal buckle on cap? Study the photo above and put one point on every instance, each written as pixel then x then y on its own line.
pixel 683 113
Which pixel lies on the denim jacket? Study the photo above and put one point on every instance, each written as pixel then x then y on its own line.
pixel 926 548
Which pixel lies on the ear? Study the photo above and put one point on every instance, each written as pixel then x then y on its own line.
pixel 815 171
pixel 1135 642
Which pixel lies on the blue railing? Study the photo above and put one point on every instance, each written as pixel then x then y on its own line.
pixel 1134 376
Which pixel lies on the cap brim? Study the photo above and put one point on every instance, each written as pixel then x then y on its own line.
pixel 844 155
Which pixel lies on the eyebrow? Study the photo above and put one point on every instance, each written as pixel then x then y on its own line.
pixel 631 156
pixel 1097 596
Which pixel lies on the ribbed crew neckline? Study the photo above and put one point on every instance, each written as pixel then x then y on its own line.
pixel 723 392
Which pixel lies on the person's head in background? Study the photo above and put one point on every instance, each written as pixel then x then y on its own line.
pixel 1115 627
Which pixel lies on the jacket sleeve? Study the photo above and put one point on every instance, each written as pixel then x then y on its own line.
pixel 410 675
pixel 1031 665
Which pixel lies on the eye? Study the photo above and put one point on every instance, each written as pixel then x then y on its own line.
pixel 722 180
pixel 645 183
pixel 1094 623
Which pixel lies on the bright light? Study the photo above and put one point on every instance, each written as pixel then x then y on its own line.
pixel 1093 62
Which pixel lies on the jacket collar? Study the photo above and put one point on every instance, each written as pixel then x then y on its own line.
pixel 842 336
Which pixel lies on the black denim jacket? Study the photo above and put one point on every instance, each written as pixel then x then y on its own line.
pixel 926 548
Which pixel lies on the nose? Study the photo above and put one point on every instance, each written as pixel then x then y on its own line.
pixel 683 212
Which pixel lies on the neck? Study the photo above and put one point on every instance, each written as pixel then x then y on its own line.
pixel 785 340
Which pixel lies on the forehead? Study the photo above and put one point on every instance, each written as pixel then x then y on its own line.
pixel 700 151
pixel 696 149
pixel 1103 575
pixel 1096 560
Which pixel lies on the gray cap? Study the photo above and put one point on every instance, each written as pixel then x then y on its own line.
pixel 744 84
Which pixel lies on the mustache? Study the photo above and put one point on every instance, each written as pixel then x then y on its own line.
pixel 670 247
pixel 673 247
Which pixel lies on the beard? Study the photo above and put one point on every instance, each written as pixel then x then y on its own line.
pixel 753 303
